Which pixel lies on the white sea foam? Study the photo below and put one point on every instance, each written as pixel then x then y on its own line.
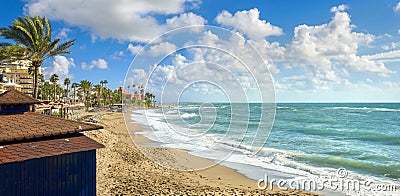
pixel 189 115
pixel 368 109
pixel 214 147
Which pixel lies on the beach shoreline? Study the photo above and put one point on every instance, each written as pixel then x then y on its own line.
pixel 123 169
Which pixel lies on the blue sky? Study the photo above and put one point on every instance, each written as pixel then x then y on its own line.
pixel 316 51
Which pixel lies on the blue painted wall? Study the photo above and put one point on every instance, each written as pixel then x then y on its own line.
pixel 67 174
pixel 14 109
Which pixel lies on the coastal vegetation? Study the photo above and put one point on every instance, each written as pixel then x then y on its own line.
pixel 31 39
pixel 82 91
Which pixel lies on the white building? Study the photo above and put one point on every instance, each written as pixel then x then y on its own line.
pixel 18 73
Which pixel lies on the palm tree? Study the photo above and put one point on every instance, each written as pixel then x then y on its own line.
pixel 46 90
pixel 108 94
pixel 74 86
pixel 67 82
pixel 42 81
pixel 104 83
pixel 54 80
pixel 117 96
pixel 86 86
pixel 60 91
pixel 147 98
pixel 154 100
pixel 141 90
pixel 98 89
pixel 33 42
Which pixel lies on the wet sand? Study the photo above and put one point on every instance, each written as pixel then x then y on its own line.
pixel 122 169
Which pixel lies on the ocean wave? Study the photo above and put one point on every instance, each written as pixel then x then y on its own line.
pixel 189 115
pixel 367 109
pixel 216 147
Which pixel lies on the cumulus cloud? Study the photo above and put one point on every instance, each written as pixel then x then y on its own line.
pixel 59 66
pixel 185 19
pixel 100 64
pixel 248 22
pixel 134 49
pixel 119 19
pixel 340 8
pixel 163 48
pixel 138 77
pixel 117 55
pixel 63 34
pixel 391 56
pixel 329 51
pixel 397 7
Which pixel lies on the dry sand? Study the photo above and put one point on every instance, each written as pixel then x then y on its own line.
pixel 123 170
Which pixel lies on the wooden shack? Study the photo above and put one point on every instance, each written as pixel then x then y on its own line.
pixel 41 154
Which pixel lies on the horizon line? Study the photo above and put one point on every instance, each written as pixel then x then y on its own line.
pixel 291 102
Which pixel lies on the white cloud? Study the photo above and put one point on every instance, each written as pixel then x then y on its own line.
pixel 391 46
pixel 119 19
pixel 271 52
pixel 151 79
pixel 297 77
pixel 100 64
pixel 391 56
pixel 117 55
pixel 139 78
pixel 340 8
pixel 134 49
pixel 185 19
pixel 179 60
pixel 395 45
pixel 161 74
pixel 59 66
pixel 63 34
pixel 248 22
pixel 385 47
pixel 163 48
pixel 397 8
pixel 327 52
pixel 391 84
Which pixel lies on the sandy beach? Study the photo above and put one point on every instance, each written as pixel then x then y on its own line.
pixel 123 170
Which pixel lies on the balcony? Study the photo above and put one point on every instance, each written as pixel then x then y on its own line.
pixel 25 82
pixel 26 77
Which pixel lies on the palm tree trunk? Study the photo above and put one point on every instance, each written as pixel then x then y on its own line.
pixel 35 78
pixel 87 101
pixel 104 98
pixel 54 98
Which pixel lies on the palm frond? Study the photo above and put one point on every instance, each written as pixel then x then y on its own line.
pixel 48 28
pixel 63 48
pixel 33 41
pixel 31 28
pixel 12 53
pixel 39 26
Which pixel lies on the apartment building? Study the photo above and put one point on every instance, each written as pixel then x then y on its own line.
pixel 16 73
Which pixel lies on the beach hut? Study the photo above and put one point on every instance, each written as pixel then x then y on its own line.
pixel 41 154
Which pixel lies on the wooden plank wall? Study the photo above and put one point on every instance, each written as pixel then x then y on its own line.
pixel 68 174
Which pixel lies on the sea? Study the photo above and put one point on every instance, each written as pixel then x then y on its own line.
pixel 337 148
